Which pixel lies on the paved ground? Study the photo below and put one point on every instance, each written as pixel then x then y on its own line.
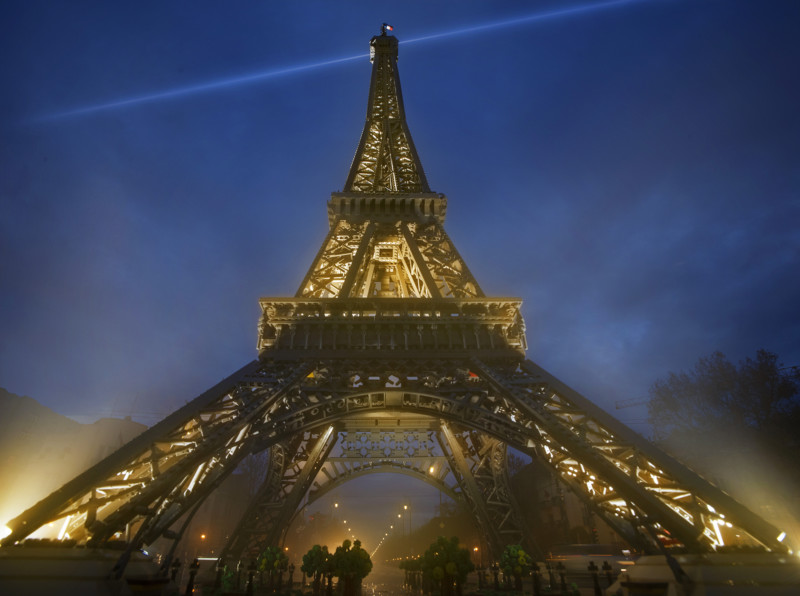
pixel 388 581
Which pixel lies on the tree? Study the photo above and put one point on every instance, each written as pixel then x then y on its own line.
pixel 756 396
pixel 413 571
pixel 351 564
pixel 515 563
pixel 314 565
pixel 327 573
pixel 274 562
pixel 446 565
pixel 736 425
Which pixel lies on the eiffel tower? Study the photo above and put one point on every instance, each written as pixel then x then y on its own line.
pixel 391 356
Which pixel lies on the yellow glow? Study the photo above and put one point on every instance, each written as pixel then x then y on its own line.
pixel 5 532
pixel 194 478
pixel 430 470
pixel 716 523
pixel 63 531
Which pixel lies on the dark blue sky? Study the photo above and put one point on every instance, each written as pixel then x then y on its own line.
pixel 632 172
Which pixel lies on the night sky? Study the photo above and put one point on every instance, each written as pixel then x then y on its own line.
pixel 631 171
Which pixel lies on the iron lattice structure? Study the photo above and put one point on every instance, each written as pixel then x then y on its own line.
pixel 391 354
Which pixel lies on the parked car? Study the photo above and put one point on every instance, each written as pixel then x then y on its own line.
pixel 577 557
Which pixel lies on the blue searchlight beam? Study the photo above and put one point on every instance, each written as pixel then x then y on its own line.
pixel 264 75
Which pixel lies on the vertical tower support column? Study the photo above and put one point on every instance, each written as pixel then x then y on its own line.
pixel 454 451
pixel 267 519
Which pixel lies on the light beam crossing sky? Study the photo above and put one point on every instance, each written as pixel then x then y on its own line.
pixel 274 73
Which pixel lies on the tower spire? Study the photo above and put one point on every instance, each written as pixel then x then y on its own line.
pixel 386 160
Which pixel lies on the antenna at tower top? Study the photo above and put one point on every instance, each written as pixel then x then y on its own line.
pixel 386 27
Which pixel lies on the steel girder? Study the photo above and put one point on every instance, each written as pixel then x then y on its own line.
pixel 442 260
pixel 154 479
pixel 402 259
pixel 535 413
pixel 334 260
pixel 487 461
pixel 347 470
pixel 632 485
pixel 465 460
pixel 270 513
pixel 280 458
pixel 469 468
pixel 386 159
pixel 629 483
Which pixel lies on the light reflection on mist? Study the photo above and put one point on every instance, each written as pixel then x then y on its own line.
pixel 741 468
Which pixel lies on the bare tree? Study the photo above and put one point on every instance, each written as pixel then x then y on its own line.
pixel 757 396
